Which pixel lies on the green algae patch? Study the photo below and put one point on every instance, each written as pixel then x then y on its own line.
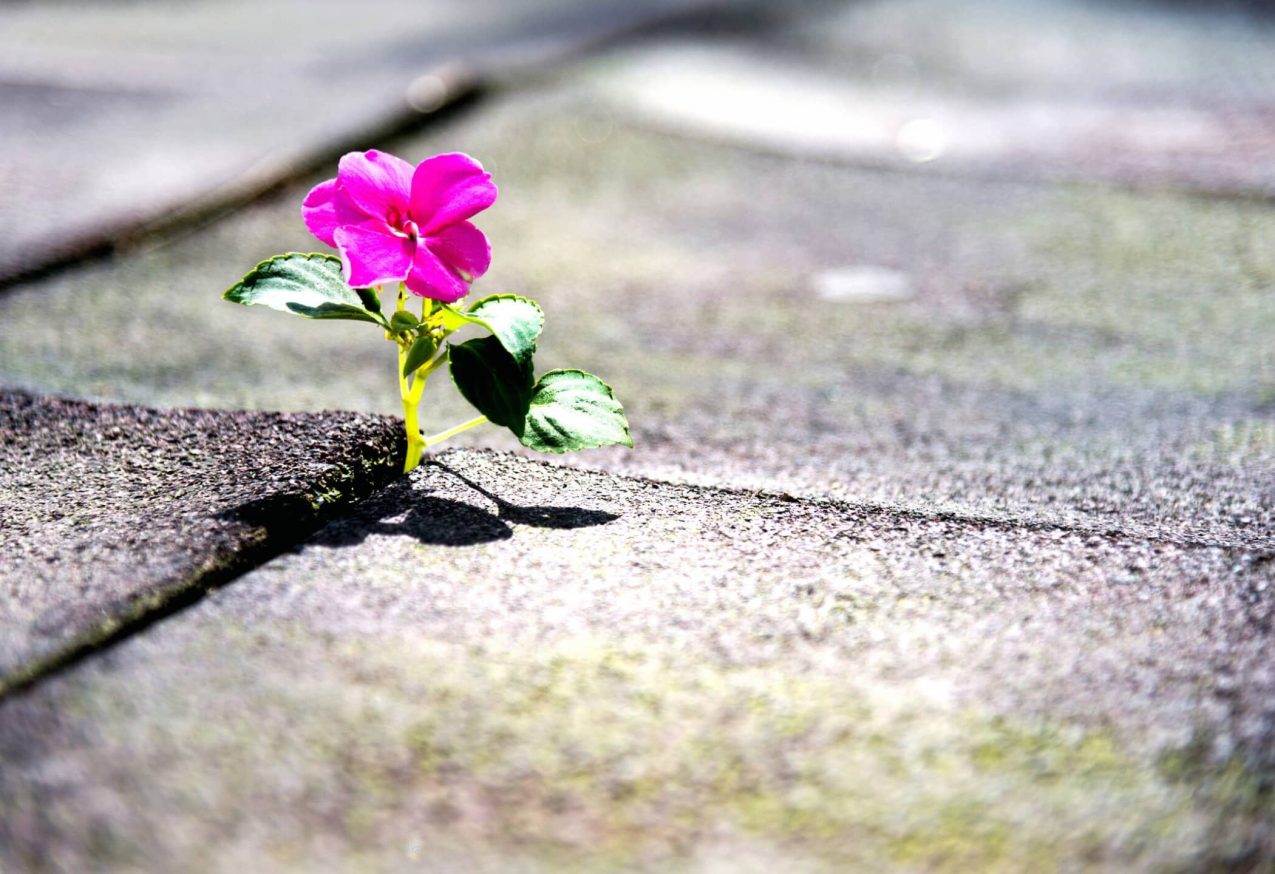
pixel 1239 797
pixel 1163 292
pixel 591 750
pixel 1242 441
pixel 647 751
pixel 1174 291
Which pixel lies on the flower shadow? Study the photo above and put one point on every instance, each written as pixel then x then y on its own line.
pixel 401 510
pixel 537 517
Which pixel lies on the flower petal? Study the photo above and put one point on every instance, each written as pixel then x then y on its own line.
pixel 447 189
pixel 318 211
pixel 326 208
pixel 430 277
pixel 463 248
pixel 373 254
pixel 378 183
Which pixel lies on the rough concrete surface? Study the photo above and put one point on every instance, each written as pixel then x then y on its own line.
pixel 1030 89
pixel 506 665
pixel 209 105
pixel 1070 353
pixel 109 513
pixel 1004 602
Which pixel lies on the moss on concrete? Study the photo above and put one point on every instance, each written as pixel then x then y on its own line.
pixel 593 753
pixel 641 245
pixel 591 672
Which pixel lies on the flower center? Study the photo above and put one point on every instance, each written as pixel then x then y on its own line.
pixel 401 225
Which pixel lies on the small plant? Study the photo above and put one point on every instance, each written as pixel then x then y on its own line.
pixel 393 224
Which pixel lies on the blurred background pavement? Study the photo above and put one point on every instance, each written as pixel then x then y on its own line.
pixel 980 296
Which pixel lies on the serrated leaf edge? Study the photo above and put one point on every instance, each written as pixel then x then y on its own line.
pixel 505 295
pixel 610 393
pixel 250 278
pixel 474 320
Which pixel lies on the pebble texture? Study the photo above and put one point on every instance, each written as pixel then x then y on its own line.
pixel 499 664
pixel 110 513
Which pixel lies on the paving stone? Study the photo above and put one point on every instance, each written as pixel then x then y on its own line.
pixel 1063 93
pixel 1005 606
pixel 1198 51
pixel 120 116
pixel 109 513
pixel 504 665
pixel 1070 354
pixel 750 97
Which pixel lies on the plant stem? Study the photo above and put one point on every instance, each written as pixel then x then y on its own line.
pixel 452 432
pixel 410 392
pixel 404 388
pixel 415 445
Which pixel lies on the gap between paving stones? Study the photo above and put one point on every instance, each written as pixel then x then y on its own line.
pixel 286 521
pixel 461 86
pixel 464 89
pixel 706 647
pixel 131 530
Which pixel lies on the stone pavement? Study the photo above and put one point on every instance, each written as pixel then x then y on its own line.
pixel 110 515
pixel 127 117
pixel 1066 93
pixel 500 664
pixel 946 544
pixel 501 656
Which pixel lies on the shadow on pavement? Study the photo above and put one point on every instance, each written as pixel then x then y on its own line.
pixel 403 510
pixel 538 517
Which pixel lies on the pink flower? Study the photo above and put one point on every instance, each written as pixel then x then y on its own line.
pixel 392 223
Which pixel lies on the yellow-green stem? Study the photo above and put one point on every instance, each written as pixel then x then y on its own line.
pixel 410 390
pixel 452 432
pixel 415 445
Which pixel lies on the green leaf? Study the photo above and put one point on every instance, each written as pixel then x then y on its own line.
pixel 369 299
pixel 515 321
pixel 570 410
pixel 490 379
pixel 419 354
pixel 334 311
pixel 308 285
pixel 402 320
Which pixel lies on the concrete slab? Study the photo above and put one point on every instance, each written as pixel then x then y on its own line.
pixel 1067 354
pixel 1037 89
pixel 749 95
pixel 1194 51
pixel 111 514
pixel 125 117
pixel 1007 605
pixel 505 665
